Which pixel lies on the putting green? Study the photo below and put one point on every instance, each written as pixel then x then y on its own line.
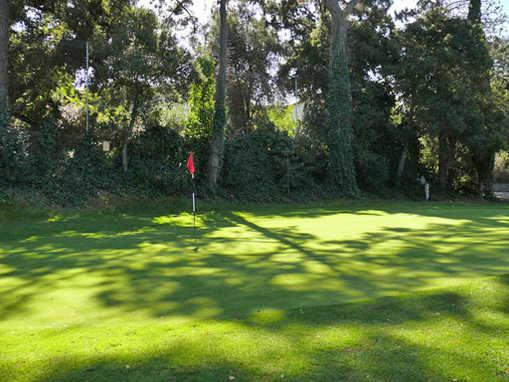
pixel 72 282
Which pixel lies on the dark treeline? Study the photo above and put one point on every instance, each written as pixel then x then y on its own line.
pixel 279 99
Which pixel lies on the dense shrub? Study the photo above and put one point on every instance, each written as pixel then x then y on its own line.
pixel 13 154
pixel 372 172
pixel 157 162
pixel 88 170
pixel 267 164
pixel 308 168
pixel 63 175
pixel 255 164
pixel 263 164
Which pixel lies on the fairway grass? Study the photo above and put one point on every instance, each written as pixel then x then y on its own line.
pixel 343 291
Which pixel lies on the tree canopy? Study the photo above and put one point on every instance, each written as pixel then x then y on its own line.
pixel 278 99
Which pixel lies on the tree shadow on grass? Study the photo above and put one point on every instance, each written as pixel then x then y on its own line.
pixel 307 345
pixel 281 287
pixel 145 262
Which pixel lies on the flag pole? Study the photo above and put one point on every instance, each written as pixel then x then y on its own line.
pixel 190 167
pixel 194 215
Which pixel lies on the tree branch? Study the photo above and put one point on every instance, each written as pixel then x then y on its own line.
pixel 333 7
pixel 350 7
pixel 181 6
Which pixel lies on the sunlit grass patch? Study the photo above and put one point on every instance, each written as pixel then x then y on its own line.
pixel 360 291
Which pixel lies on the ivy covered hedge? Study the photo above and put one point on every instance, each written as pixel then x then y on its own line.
pixel 263 164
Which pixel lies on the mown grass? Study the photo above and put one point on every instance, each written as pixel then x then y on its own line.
pixel 364 291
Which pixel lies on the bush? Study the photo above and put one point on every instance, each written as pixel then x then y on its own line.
pixel 267 164
pixel 13 154
pixel 86 172
pixel 157 162
pixel 46 157
pixel 308 168
pixel 255 164
pixel 372 172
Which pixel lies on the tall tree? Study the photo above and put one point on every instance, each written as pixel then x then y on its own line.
pixel 4 54
pixel 218 127
pixel 252 47
pixel 444 77
pixel 48 41
pixel 483 144
pixel 339 100
pixel 371 55
pixel 141 58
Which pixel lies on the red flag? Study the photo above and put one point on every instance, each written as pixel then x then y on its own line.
pixel 190 164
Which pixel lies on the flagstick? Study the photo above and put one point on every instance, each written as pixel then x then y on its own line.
pixel 194 217
pixel 190 167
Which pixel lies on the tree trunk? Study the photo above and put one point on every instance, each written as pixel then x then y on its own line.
pixel 339 104
pixel 127 133
pixel 124 154
pixel 218 127
pixel 484 162
pixel 401 165
pixel 4 54
pixel 486 176
pixel 443 161
pixel 474 11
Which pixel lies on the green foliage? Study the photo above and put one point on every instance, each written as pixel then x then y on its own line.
pixel 255 164
pixel 46 154
pixel 373 170
pixel 88 170
pixel 139 58
pixel 47 44
pixel 267 164
pixel 13 153
pixel 201 99
pixel 450 118
pixel 308 168
pixel 156 166
pixel 455 103
pixel 283 117
pixel 372 55
pixel 378 142
pixel 216 151
pixel 499 51
pixel 339 116
pixel 253 47
pixel 69 175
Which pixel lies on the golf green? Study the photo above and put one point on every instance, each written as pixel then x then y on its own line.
pixel 374 291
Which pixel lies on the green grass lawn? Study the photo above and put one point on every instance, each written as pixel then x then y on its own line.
pixel 362 291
